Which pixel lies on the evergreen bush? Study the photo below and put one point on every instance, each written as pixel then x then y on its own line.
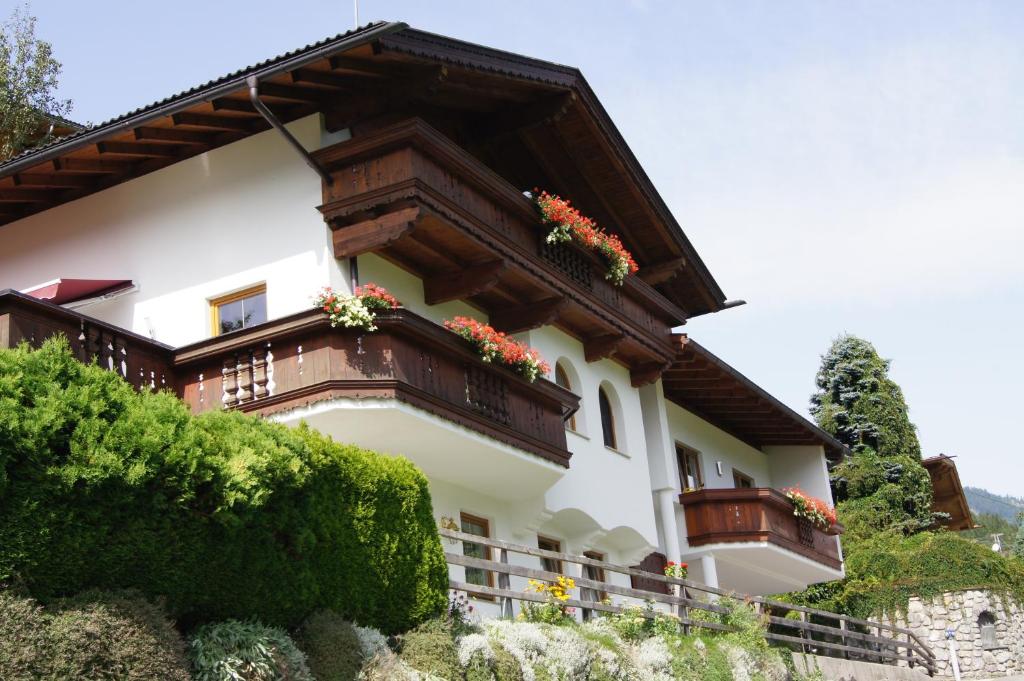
pixel 95 635
pixel 226 515
pixel 332 647
pixel 430 648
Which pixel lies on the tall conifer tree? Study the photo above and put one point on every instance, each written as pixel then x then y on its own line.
pixel 882 485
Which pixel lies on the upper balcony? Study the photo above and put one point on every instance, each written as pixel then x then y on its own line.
pixel 736 525
pixel 413 196
pixel 416 374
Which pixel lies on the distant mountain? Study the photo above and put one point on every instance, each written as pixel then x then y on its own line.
pixel 983 501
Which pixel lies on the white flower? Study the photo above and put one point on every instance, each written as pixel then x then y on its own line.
pixel 472 644
pixel 652 659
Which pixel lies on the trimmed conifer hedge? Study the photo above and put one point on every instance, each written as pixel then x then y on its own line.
pixel 225 515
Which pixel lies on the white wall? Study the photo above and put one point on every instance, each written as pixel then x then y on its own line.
pixel 236 216
pixel 610 486
pixel 800 466
pixel 715 445
pixel 408 288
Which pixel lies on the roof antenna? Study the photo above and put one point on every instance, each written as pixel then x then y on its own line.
pixel 355 6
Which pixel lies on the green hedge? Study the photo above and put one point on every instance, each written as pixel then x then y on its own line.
pixel 225 515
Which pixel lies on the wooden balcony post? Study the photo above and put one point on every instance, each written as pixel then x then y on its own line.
pixel 842 637
pixel 504 583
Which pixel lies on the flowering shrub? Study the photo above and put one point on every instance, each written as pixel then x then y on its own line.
pixel 677 570
pixel 357 310
pixel 495 346
pixel 554 610
pixel 821 514
pixel 635 623
pixel 568 224
pixel 459 615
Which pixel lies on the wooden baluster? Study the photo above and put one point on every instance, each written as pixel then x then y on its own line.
pixel 803 633
pixel 229 382
pixel 120 357
pixel 83 344
pixel 504 583
pixel 244 376
pixel 107 350
pixel 259 373
pixel 93 343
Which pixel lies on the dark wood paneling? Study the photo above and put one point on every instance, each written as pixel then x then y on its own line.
pixel 139 360
pixel 469 215
pixel 755 514
pixel 300 359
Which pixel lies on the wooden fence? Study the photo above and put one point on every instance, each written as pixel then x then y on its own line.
pixel 799 628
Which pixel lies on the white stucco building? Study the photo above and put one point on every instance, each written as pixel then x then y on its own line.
pixel 189 238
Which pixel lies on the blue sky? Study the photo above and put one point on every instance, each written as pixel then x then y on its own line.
pixel 843 166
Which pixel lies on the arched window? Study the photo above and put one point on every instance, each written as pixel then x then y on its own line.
pixel 987 624
pixel 607 418
pixel 562 381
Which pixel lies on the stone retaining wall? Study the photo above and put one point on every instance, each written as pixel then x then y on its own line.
pixel 999 651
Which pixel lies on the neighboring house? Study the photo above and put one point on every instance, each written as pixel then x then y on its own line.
pixel 195 237
pixel 948 494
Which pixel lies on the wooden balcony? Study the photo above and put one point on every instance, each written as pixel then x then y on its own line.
pixel 411 195
pixel 724 516
pixel 141 361
pixel 300 360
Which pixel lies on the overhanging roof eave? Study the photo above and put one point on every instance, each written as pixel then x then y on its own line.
pixel 203 93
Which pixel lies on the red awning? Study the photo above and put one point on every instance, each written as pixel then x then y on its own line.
pixel 61 291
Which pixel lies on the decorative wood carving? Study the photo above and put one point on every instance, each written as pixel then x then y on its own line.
pixel 646 374
pixel 662 271
pixel 487 394
pixel 570 261
pixel 374 234
pixel 259 372
pixel 600 347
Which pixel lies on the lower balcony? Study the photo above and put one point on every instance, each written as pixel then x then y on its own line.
pixel 410 388
pixel 759 546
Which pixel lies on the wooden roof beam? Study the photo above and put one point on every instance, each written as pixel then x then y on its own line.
pixel 646 374
pixel 27 195
pixel 541 112
pixel 466 283
pixel 52 180
pixel 374 233
pixel 661 272
pixel 244 106
pixel 296 94
pixel 92 165
pixel 529 316
pixel 375 68
pixel 135 149
pixel 175 135
pixel 231 123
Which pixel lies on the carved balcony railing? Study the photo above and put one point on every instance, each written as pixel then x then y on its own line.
pixel 298 360
pixel 139 360
pixel 715 516
pixel 411 195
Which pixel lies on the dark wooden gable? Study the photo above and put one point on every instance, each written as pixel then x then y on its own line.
pixel 535 123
